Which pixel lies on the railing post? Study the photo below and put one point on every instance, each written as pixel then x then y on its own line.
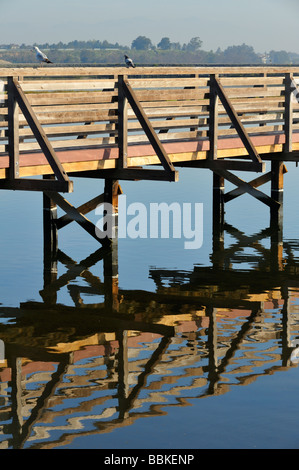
pixel 13 131
pixel 213 119
pixel 122 124
pixel 288 117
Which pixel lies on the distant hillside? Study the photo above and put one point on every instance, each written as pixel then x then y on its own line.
pixel 144 52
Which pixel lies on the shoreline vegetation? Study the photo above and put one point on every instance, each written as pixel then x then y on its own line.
pixel 144 52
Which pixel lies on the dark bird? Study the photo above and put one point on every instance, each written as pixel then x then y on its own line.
pixel 41 57
pixel 129 62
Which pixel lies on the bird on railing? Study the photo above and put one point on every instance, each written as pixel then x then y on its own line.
pixel 41 57
pixel 129 62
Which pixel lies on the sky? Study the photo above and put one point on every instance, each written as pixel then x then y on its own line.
pixel 263 24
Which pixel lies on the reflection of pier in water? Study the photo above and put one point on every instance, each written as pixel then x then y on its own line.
pixel 91 368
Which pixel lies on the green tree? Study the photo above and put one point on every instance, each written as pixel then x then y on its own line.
pixel 142 43
pixel 194 44
pixel 279 57
pixel 240 55
pixel 164 44
pixel 175 46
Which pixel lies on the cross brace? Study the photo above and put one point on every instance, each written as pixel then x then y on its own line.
pixel 244 187
pixel 74 214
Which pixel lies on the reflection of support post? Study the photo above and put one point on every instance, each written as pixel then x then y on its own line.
pixel 16 398
pixel 286 328
pixel 212 347
pixel 50 241
pixel 111 193
pixel 123 373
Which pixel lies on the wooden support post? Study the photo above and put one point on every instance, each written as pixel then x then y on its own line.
pixel 13 131
pixel 50 233
pixel 276 215
pixel 276 211
pixel 218 204
pixel 111 193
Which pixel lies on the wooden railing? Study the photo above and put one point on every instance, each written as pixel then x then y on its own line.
pixel 73 108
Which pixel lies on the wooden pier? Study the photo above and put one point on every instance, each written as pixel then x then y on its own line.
pixel 113 123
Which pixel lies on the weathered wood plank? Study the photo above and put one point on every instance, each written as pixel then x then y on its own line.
pixel 253 130
pixel 68 131
pixel 42 99
pixel 73 108
pixel 65 117
pixel 174 103
pixel 170 136
pixel 168 82
pixel 172 94
pixel 254 92
pixel 245 81
pixel 69 143
pixel 67 85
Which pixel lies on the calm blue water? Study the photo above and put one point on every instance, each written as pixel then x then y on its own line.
pixel 196 355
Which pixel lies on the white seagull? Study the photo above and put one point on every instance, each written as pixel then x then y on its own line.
pixel 129 62
pixel 41 57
